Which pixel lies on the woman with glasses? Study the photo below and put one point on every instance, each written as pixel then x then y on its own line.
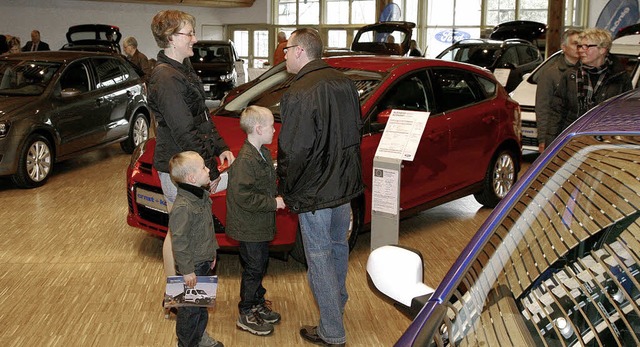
pixel 598 76
pixel 177 99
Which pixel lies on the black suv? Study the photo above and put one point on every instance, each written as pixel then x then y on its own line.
pixel 218 65
pixel 509 60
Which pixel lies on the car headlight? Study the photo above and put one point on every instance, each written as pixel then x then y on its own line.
pixel 137 153
pixel 4 128
pixel 226 78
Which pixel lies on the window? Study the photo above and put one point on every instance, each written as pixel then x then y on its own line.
pixel 110 72
pixel 76 77
pixel 409 93
pixel 454 89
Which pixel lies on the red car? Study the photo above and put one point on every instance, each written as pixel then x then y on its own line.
pixel 471 143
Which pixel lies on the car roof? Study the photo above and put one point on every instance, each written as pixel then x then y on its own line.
pixel 379 63
pixel 56 56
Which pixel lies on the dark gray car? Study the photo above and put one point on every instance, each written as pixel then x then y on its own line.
pixel 218 65
pixel 54 105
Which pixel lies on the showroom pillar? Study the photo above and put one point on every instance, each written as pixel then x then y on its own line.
pixel 555 26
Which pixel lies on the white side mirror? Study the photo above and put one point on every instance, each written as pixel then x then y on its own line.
pixel 397 273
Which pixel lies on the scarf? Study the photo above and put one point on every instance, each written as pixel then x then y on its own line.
pixel 586 88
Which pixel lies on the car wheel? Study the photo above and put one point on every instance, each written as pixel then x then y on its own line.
pixel 501 175
pixel 35 162
pixel 357 221
pixel 138 133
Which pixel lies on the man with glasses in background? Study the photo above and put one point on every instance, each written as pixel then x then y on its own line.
pixel 598 77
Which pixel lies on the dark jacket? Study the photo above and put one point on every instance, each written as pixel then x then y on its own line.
pixel 142 62
pixel 319 143
pixel 191 224
pixel 548 83
pixel 42 46
pixel 566 108
pixel 251 196
pixel 176 98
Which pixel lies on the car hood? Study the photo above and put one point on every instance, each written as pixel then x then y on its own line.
pixel 10 106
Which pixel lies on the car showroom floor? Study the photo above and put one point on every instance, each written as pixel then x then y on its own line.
pixel 73 273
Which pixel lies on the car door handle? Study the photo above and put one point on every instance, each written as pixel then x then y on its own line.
pixel 489 119
pixel 434 137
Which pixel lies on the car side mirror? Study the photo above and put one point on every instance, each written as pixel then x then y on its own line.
pixel 397 272
pixel 381 121
pixel 69 92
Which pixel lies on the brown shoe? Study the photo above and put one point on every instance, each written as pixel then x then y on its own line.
pixel 310 334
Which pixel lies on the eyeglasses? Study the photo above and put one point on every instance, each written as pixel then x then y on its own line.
pixel 192 34
pixel 287 48
pixel 586 47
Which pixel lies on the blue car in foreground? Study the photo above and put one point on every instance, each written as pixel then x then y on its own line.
pixel 557 263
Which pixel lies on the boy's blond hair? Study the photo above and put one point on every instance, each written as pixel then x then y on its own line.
pixel 252 116
pixel 181 165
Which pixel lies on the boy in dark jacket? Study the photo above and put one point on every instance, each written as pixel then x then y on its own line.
pixel 194 241
pixel 251 218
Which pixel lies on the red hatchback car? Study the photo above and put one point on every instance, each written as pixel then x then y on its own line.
pixel 471 143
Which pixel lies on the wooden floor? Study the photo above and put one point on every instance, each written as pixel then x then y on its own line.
pixel 73 273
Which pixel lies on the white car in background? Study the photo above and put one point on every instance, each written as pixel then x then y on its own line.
pixel 626 48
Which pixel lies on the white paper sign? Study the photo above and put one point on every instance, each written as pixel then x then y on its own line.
pixel 502 75
pixel 385 191
pixel 402 134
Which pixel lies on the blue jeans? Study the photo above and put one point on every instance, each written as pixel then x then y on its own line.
pixel 324 233
pixel 191 321
pixel 254 257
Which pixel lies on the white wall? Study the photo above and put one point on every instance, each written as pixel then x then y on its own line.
pixel 53 17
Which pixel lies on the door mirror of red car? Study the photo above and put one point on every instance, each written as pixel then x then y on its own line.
pixel 380 121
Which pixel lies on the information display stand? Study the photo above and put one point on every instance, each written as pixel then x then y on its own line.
pixel 399 142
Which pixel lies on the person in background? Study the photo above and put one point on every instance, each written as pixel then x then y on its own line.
pixel 194 240
pixel 14 45
pixel 549 81
pixel 414 51
pixel 320 172
pixel 35 44
pixel 251 217
pixel 177 100
pixel 130 45
pixel 598 77
pixel 278 55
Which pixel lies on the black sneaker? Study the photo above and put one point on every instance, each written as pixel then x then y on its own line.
pixel 207 341
pixel 253 323
pixel 310 334
pixel 266 313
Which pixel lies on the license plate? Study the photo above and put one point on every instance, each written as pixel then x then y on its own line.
pixel 151 200
pixel 530 132
pixel 207 87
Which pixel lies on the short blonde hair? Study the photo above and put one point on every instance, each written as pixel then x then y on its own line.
pixel 598 36
pixel 183 164
pixel 130 41
pixel 168 22
pixel 252 116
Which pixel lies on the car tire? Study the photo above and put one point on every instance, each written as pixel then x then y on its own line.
pixel 357 222
pixel 35 162
pixel 500 177
pixel 138 133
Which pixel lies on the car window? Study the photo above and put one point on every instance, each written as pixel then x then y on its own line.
pixel 211 54
pixel 454 89
pixel 410 93
pixel 488 86
pixel 76 76
pixel 526 54
pixel 509 56
pixel 562 267
pixel 25 77
pixel 477 55
pixel 110 72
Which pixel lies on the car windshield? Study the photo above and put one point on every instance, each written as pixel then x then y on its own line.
pixel 211 54
pixel 268 92
pixel 478 55
pixel 562 267
pixel 19 77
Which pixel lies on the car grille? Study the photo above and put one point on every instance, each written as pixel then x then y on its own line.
pixel 529 141
pixel 148 215
pixel 525 108
pixel 145 168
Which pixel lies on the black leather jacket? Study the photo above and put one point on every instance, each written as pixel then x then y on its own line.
pixel 319 162
pixel 176 98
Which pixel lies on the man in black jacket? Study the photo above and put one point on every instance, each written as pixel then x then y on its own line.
pixel 320 173
pixel 35 44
